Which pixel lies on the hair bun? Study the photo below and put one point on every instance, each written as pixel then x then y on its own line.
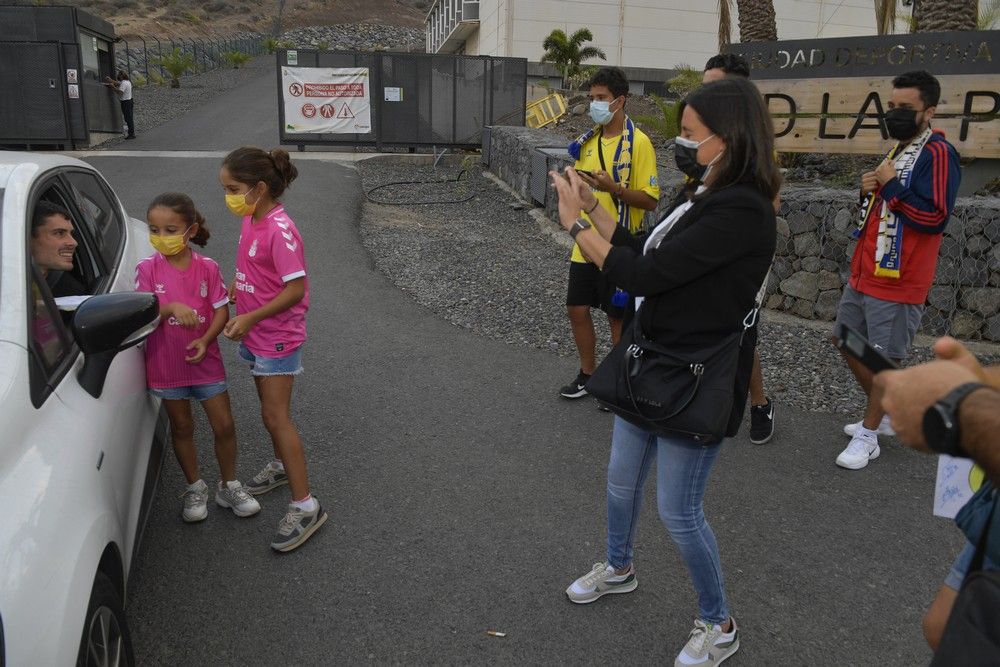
pixel 283 163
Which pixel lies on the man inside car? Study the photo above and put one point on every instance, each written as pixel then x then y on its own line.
pixel 53 247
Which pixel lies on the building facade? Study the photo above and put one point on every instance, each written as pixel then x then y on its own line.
pixel 660 34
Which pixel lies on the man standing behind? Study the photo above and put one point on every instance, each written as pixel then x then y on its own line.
pixel 617 160
pixel 905 204
pixel 123 89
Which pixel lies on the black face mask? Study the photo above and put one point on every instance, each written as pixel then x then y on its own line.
pixel 901 123
pixel 687 161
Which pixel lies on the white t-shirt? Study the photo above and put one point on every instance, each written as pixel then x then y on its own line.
pixel 126 90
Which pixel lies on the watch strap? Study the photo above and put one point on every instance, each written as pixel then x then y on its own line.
pixel 578 227
pixel 947 411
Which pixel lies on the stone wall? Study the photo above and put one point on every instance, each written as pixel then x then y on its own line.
pixel 815 244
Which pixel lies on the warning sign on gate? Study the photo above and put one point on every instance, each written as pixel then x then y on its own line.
pixel 341 95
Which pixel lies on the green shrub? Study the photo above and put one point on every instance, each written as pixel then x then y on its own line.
pixel 191 17
pixel 157 79
pixel 139 80
pixel 271 45
pixel 176 63
pixel 323 46
pixel 666 124
pixel 686 80
pixel 236 58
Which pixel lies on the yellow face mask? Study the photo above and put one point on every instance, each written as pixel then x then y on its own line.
pixel 238 204
pixel 168 245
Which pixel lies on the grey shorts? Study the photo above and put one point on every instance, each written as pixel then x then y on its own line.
pixel 888 325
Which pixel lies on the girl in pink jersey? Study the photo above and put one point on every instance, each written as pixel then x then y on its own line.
pixel 182 356
pixel 271 293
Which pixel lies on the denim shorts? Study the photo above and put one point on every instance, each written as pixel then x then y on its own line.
pixel 290 364
pixel 961 567
pixel 199 392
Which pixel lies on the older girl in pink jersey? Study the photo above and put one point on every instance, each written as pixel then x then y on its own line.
pixel 271 292
pixel 182 356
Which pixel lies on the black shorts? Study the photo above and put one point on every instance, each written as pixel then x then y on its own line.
pixel 589 287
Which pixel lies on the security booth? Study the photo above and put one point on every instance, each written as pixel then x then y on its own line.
pixel 53 61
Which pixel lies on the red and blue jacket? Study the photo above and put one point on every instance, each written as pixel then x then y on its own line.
pixel 923 208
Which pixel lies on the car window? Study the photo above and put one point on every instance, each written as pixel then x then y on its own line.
pixel 50 345
pixel 101 213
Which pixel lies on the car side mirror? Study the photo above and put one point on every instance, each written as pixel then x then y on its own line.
pixel 106 324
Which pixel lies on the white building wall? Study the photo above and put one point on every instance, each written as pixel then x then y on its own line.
pixel 651 33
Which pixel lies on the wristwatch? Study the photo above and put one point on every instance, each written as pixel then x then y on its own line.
pixel 579 226
pixel 941 427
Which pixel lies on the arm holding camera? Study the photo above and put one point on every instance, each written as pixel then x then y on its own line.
pixel 576 198
pixel 910 393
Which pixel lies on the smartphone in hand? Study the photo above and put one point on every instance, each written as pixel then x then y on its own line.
pixel 850 341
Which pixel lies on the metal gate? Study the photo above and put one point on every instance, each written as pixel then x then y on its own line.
pixel 35 107
pixel 436 100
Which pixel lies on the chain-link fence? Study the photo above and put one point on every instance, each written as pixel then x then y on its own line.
pixel 144 54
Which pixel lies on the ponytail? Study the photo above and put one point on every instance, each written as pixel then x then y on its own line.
pixel 182 205
pixel 250 166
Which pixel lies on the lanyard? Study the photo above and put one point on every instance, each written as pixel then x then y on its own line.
pixel 614 176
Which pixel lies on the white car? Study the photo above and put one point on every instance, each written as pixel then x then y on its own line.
pixel 82 441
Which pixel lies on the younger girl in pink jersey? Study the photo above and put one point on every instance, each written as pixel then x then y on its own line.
pixel 271 292
pixel 182 355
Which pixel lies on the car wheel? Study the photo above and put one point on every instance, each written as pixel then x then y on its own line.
pixel 106 640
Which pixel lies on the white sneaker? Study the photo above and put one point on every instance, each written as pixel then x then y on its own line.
pixel 884 428
pixel 863 448
pixel 233 496
pixel 195 499
pixel 599 581
pixel 708 645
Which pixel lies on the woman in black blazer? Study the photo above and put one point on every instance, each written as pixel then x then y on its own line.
pixel 698 272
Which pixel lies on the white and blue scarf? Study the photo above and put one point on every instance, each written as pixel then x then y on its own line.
pixel 621 164
pixel 889 245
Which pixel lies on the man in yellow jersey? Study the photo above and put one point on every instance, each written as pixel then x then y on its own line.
pixel 617 160
pixel 761 407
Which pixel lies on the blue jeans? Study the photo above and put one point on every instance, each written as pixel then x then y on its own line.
pixel 682 473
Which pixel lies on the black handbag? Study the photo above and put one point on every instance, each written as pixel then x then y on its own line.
pixel 671 391
pixel 972 635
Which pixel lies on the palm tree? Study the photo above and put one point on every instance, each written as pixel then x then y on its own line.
pixel 566 52
pixel 756 19
pixel 945 15
pixel 886 15
pixel 989 14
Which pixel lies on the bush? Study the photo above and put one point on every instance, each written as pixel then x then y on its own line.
pixel 191 17
pixel 139 81
pixel 157 79
pixel 177 63
pixel 236 58
pixel 323 45
pixel 667 124
pixel 271 45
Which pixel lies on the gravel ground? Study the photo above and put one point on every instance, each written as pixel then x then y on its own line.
pixel 155 105
pixel 490 265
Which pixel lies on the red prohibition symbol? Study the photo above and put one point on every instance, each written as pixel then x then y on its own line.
pixel 295 89
pixel 326 111
pixel 308 110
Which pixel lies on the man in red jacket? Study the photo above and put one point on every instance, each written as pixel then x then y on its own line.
pixel 905 204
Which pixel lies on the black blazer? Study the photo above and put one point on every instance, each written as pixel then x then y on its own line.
pixel 702 279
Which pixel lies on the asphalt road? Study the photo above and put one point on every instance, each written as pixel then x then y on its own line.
pixel 465 496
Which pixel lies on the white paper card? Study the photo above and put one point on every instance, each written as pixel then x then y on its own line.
pixel 954 485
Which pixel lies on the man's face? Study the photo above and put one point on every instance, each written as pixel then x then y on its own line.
pixel 713 74
pixel 601 93
pixel 53 245
pixel 909 98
